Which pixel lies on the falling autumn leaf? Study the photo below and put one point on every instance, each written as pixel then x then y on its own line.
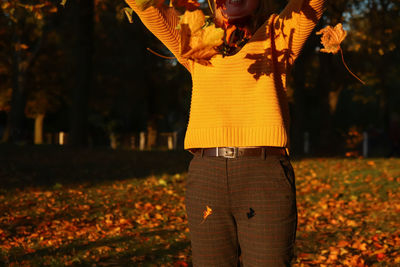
pixel 331 40
pixel 206 213
pixel 128 12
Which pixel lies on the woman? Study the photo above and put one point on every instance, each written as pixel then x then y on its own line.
pixel 241 196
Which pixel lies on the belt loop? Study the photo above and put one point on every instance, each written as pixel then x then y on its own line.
pixel 202 152
pixel 263 153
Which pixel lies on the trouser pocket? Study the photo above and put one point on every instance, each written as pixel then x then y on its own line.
pixel 289 176
pixel 288 173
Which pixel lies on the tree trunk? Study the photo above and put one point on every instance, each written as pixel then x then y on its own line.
pixel 38 139
pixel 84 10
pixel 333 99
pixel 151 134
pixel 15 123
pixel 16 117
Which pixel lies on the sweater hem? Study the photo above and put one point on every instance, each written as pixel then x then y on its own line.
pixel 236 137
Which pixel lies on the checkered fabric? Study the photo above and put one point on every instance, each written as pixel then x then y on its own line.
pixel 241 206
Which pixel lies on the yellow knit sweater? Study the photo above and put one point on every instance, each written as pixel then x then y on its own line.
pixel 240 100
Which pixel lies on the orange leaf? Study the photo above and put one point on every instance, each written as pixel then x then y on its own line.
pixel 342 244
pixel 206 213
pixel 332 38
pixel 380 256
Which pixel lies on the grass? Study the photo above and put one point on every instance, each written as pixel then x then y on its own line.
pixel 99 207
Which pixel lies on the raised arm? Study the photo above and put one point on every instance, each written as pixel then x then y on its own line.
pixel 162 23
pixel 297 21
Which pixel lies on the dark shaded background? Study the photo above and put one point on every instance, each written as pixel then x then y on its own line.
pixel 84 69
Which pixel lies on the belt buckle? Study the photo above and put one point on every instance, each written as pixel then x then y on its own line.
pixel 231 152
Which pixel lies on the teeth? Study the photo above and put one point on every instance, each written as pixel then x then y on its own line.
pixel 235 1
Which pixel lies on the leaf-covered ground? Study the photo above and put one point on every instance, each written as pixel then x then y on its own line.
pixel 349 215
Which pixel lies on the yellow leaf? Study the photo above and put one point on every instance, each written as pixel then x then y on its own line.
pixel 212 36
pixel 198 42
pixel 201 47
pixel 128 12
pixel 63 2
pixel 194 20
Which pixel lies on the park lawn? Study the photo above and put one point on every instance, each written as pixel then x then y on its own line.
pixel 348 213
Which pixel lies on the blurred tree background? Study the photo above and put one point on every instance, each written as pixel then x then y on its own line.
pixel 84 69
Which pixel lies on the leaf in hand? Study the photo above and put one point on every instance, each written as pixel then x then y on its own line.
pixel 332 38
pixel 203 44
pixel 193 19
pixel 197 42
pixel 212 36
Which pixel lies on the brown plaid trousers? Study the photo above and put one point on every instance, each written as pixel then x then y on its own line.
pixel 253 210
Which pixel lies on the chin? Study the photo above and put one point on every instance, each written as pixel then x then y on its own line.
pixel 239 19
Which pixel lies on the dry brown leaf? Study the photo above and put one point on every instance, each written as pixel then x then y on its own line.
pixel 332 38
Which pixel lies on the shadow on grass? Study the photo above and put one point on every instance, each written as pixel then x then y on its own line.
pixel 46 166
pixel 135 253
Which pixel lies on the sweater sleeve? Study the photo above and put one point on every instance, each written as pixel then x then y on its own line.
pixel 297 21
pixel 162 23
